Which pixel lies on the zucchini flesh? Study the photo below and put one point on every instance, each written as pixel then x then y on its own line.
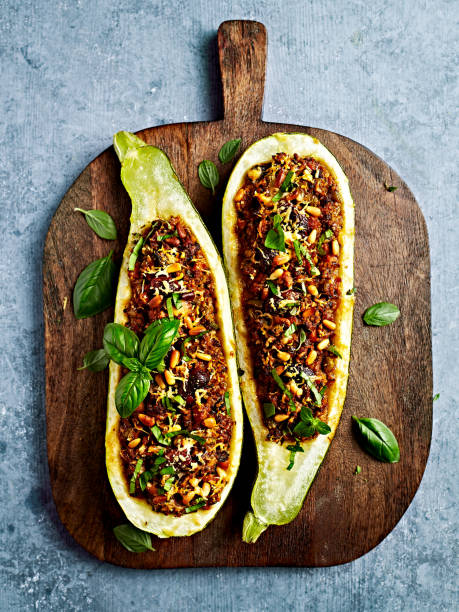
pixel 156 193
pixel 278 493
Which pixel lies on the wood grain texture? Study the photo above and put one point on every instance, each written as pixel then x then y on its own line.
pixel 344 515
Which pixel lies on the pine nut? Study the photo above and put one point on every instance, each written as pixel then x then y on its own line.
pixel 329 324
pixel 312 236
pixel 323 344
pixel 146 420
pixel 281 417
pixel 280 259
pixel 134 443
pixel 276 274
pixel 159 381
pixel 239 195
pixel 156 301
pixel 205 489
pixel 313 290
pixel 187 497
pixel 221 472
pixel 187 321
pixel 194 482
pixel 210 422
pixel 265 199
pixel 254 173
pixel 311 357
pixel 174 359
pixel 283 356
pixel 294 388
pixel 174 267
pixel 170 378
pixel 203 356
pixel 314 211
pixel 335 247
pixel 197 329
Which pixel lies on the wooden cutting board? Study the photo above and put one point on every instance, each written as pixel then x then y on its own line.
pixel 344 515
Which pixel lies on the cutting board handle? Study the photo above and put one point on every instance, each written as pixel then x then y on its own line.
pixel 242 56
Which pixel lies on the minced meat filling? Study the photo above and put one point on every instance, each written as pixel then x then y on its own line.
pixel 289 217
pixel 175 445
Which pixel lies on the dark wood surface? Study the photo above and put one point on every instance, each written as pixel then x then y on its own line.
pixel 344 515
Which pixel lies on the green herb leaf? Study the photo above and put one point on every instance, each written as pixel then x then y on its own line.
pixel 130 392
pixel 168 484
pixel 157 342
pixel 297 247
pixel 325 236
pixel 227 403
pixel 314 271
pixel 304 429
pixel 321 427
pixel 185 434
pixel 95 361
pixel 94 290
pixel 311 385
pixel 201 502
pixel 133 539
pixel 155 430
pixel 177 300
pixel 390 187
pixel 351 291
pixel 302 337
pixel 296 448
pixel 358 469
pixel 269 409
pixel 178 399
pixel 135 253
pixel 229 150
pixel 138 467
pixel 274 288
pixel 378 440
pixel 100 222
pixel 435 397
pixel 332 348
pixel 208 174
pixel 280 383
pixel 167 470
pixel 284 186
pixel 275 238
pixel 120 343
pixel 291 329
pixel 381 314
pixel 170 311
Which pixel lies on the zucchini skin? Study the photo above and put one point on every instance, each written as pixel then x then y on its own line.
pixel 156 192
pixel 278 494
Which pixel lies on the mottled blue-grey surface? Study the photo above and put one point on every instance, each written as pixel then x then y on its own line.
pixel 74 72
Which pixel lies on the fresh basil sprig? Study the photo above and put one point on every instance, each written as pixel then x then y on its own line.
pixel 275 238
pixel 308 424
pixel 130 392
pixel 381 314
pixel 120 343
pixel 95 361
pixel 208 174
pixel 133 539
pixel 100 222
pixel 294 449
pixel 378 440
pixel 95 288
pixel 157 342
pixel 229 150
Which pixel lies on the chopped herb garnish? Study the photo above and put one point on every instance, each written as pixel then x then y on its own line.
pixel 297 247
pixel 275 238
pixel 313 388
pixel 274 288
pixel 280 383
pixel 435 397
pixel 165 236
pixel 178 399
pixel 283 188
pixel 390 187
pixel 269 409
pixel 137 469
pixel 135 254
pixel 155 430
pixel 201 502
pixel 170 310
pixel 186 434
pixel 291 329
pixel 189 339
pixel 351 291
pixel 227 403
pixel 332 348
pixel 309 425
pixel 177 300
pixel 294 449
pixel 167 470
pixel 358 469
pixel 168 484
pixel 302 337
pixel 325 236
pixel 314 270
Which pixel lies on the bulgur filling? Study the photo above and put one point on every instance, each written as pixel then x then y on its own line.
pixel 289 218
pixel 175 445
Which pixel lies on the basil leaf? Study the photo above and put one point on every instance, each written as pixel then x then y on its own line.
pixel 434 399
pixel 285 185
pixel 161 238
pixel 390 187
pixel 280 383
pixel 185 434
pixel 134 365
pixel 293 450
pixel 157 342
pixel 332 348
pixel 351 291
pixel 130 392
pixel 95 361
pixel 170 311
pixel 155 430
pixel 302 337
pixel 381 314
pixel 297 247
pixel 100 222
pixel 95 288
pixel 378 440
pixel 275 238
pixel 321 427
pixel 291 329
pixel 269 409
pixel 358 469
pixel 325 236
pixel 133 539
pixel 306 414
pixel 305 430
pixel 196 506
pixel 227 403
pixel 208 174
pixel 229 150
pixel 134 255
pixel 120 343
pixel 311 385
pixel 314 271
pixel 274 288
pixel 138 467
pixel 177 300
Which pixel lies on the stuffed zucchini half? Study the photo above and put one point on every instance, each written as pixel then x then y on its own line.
pixel 288 238
pixel 172 457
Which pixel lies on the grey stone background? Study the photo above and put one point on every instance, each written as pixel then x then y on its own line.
pixel 74 72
